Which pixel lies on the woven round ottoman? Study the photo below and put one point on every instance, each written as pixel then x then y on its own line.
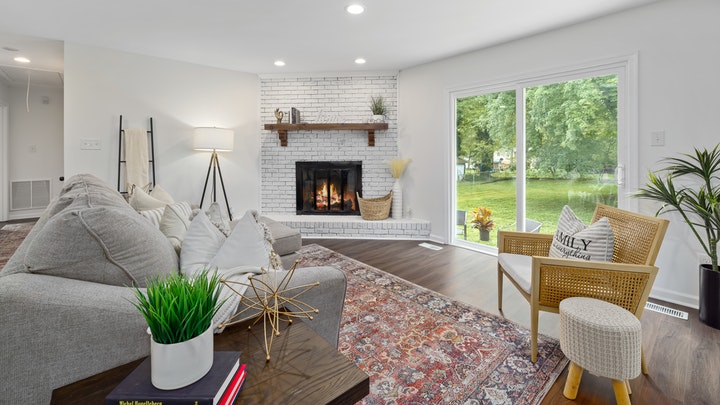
pixel 602 338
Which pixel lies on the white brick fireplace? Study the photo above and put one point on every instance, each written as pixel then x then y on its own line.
pixel 330 99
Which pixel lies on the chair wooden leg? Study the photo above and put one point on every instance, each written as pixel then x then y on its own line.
pixel 621 392
pixel 627 382
pixel 500 288
pixel 643 363
pixel 573 381
pixel 534 314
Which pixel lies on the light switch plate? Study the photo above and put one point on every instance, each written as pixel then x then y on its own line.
pixel 90 144
pixel 657 138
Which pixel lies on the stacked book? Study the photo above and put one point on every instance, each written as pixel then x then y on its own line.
pixel 220 386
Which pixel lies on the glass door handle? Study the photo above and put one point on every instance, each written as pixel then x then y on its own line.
pixel 620 175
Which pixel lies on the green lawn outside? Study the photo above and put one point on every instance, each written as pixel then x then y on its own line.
pixel 545 200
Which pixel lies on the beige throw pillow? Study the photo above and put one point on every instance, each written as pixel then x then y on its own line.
pixel 158 198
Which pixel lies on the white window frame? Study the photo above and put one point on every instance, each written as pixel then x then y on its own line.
pixel 625 67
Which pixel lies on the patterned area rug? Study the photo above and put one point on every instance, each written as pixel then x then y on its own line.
pixel 419 347
pixel 11 235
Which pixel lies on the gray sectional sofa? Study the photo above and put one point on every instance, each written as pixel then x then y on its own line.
pixel 65 304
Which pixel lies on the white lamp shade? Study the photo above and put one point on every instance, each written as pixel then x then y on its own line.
pixel 217 139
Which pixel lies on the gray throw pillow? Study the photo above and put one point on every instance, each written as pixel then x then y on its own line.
pixel 101 244
pixel 575 240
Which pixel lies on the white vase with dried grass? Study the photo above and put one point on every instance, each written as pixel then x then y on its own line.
pixel 397 168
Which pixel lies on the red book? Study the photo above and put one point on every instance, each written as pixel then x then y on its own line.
pixel 137 387
pixel 233 389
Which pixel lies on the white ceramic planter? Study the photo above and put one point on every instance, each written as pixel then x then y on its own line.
pixel 177 365
pixel 378 119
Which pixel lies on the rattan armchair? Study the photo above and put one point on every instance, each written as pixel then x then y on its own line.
pixel 626 281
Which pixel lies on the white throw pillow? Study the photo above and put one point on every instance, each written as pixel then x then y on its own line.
pixel 201 243
pixel 575 240
pixel 246 245
pixel 175 222
pixel 154 215
pixel 244 252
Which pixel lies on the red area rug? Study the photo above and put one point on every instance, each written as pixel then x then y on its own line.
pixel 11 235
pixel 420 347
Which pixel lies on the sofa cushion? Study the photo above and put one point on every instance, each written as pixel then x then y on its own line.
pixel 101 244
pixel 286 240
pixel 90 233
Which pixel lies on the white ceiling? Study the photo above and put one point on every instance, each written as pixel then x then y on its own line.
pixel 311 36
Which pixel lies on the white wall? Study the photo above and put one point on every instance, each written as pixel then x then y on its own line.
pixel 34 139
pixel 327 98
pixel 36 135
pixel 4 96
pixel 676 42
pixel 101 85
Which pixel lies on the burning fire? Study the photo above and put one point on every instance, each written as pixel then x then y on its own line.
pixel 329 197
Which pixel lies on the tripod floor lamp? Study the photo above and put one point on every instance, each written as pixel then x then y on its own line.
pixel 215 140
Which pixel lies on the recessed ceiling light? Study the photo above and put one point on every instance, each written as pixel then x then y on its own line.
pixel 360 61
pixel 22 59
pixel 355 9
pixel 279 63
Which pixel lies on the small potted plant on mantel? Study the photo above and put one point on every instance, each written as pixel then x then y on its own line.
pixel 378 109
pixel 482 221
pixel 697 200
pixel 179 310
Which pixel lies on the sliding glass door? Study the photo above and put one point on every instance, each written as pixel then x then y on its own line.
pixel 526 150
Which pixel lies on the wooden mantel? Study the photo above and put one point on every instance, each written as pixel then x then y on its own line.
pixel 282 129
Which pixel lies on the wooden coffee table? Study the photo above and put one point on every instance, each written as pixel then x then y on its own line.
pixel 304 369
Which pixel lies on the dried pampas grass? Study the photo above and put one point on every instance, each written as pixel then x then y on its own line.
pixel 397 166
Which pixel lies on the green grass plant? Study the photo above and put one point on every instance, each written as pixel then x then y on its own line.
pixel 178 308
pixel 545 199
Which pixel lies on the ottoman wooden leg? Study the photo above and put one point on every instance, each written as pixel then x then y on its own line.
pixel 573 381
pixel 621 392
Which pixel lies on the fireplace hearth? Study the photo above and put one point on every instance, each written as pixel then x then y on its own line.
pixel 328 188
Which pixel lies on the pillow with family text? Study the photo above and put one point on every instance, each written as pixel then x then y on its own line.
pixel 575 240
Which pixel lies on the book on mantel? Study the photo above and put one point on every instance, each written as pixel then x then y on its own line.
pixel 219 386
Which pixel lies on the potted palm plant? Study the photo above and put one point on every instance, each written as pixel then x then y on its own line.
pixel 378 109
pixel 179 312
pixel 482 220
pixel 697 200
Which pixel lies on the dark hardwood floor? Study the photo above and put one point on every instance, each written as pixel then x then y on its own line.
pixel 682 356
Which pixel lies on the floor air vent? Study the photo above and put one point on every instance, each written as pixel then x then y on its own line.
pixel 29 194
pixel 665 310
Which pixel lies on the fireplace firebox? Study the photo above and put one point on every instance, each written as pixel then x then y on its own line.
pixel 328 188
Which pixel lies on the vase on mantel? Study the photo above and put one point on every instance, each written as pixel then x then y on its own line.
pixel 397 204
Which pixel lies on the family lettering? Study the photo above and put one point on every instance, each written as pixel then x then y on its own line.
pixel 573 247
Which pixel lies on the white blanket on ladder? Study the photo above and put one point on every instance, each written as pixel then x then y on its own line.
pixel 136 158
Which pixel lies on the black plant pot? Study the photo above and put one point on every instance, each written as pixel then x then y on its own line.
pixel 709 296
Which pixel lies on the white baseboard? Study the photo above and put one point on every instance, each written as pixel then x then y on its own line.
pixel 25 214
pixel 687 300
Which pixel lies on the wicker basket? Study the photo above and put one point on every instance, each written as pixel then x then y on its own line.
pixel 375 208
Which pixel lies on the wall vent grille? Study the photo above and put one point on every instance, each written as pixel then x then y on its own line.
pixel 665 310
pixel 29 194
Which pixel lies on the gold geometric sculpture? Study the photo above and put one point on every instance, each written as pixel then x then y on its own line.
pixel 272 299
